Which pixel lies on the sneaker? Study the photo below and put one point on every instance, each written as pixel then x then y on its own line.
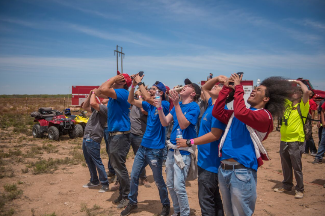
pixel 299 195
pixel 90 185
pixel 280 190
pixel 116 186
pixel 317 161
pixel 176 214
pixel 109 174
pixel 123 203
pixel 118 200
pixel 313 154
pixel 104 189
pixel 145 183
pixel 129 208
pixel 165 210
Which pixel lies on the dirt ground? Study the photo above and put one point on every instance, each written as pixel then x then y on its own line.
pixel 61 192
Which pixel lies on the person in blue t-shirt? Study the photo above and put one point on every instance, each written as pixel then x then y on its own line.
pixel 241 150
pixel 185 115
pixel 118 129
pixel 151 149
pixel 211 130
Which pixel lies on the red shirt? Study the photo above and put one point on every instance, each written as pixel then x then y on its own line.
pixel 312 105
pixel 323 106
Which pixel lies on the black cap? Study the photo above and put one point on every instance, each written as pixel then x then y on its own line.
pixel 196 87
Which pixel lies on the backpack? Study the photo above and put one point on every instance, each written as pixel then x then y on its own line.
pixel 307 125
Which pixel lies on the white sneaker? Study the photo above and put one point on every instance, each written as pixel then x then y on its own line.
pixel 299 195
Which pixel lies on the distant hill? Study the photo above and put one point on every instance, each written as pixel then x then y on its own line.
pixel 36 96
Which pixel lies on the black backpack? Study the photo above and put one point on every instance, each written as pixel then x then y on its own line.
pixel 307 125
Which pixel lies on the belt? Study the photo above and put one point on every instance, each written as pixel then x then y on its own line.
pixel 231 167
pixel 118 133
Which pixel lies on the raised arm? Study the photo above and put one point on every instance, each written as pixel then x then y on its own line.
pixel 209 85
pixel 93 100
pixel 107 87
pixel 131 99
pixel 305 91
pixel 182 121
pixel 86 105
pixel 219 111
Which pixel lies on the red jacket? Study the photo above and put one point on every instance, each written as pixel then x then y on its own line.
pixel 258 119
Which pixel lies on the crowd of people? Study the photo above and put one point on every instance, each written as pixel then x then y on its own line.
pixel 164 126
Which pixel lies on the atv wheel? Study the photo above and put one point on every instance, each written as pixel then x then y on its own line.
pixel 80 130
pixel 76 131
pixel 37 131
pixel 54 133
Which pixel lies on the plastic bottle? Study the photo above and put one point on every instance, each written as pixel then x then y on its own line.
pixel 179 134
pixel 157 97
pixel 87 138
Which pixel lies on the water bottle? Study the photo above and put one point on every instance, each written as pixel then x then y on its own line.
pixel 157 97
pixel 87 138
pixel 179 134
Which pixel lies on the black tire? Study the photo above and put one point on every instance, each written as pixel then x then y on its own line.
pixel 37 131
pixel 79 130
pixel 53 133
pixel 75 132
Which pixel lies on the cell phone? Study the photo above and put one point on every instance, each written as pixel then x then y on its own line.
pixel 240 74
pixel 141 73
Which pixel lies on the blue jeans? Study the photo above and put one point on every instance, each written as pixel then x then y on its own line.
pixel 135 143
pixel 153 157
pixel 238 191
pixel 176 183
pixel 110 168
pixel 91 152
pixel 321 147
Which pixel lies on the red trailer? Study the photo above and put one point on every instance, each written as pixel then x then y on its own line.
pixel 79 94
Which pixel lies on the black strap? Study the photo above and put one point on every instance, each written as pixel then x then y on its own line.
pixel 302 118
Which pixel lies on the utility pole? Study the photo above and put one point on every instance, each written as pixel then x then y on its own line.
pixel 119 53
pixel 122 55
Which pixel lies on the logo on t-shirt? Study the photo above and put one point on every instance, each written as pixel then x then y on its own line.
pixel 205 117
pixel 156 112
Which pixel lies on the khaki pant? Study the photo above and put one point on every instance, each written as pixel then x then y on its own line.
pixel 291 159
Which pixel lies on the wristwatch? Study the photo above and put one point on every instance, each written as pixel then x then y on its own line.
pixel 188 143
pixel 140 83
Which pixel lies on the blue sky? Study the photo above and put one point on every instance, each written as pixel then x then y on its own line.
pixel 48 46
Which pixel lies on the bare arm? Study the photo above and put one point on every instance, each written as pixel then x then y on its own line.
pixel 323 118
pixel 86 105
pixel 214 135
pixel 209 85
pixel 93 101
pixel 107 87
pixel 131 100
pixel 182 121
pixel 305 91
pixel 164 120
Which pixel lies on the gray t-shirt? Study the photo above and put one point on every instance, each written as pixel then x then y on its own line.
pixel 138 121
pixel 96 123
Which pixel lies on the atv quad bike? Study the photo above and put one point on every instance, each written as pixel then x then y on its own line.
pixel 55 124
pixel 81 119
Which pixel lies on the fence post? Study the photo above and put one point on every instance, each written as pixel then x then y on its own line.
pixel 64 103
pixel 26 107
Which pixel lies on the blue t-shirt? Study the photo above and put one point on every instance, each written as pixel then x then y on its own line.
pixel 118 118
pixel 239 145
pixel 208 158
pixel 191 112
pixel 155 134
